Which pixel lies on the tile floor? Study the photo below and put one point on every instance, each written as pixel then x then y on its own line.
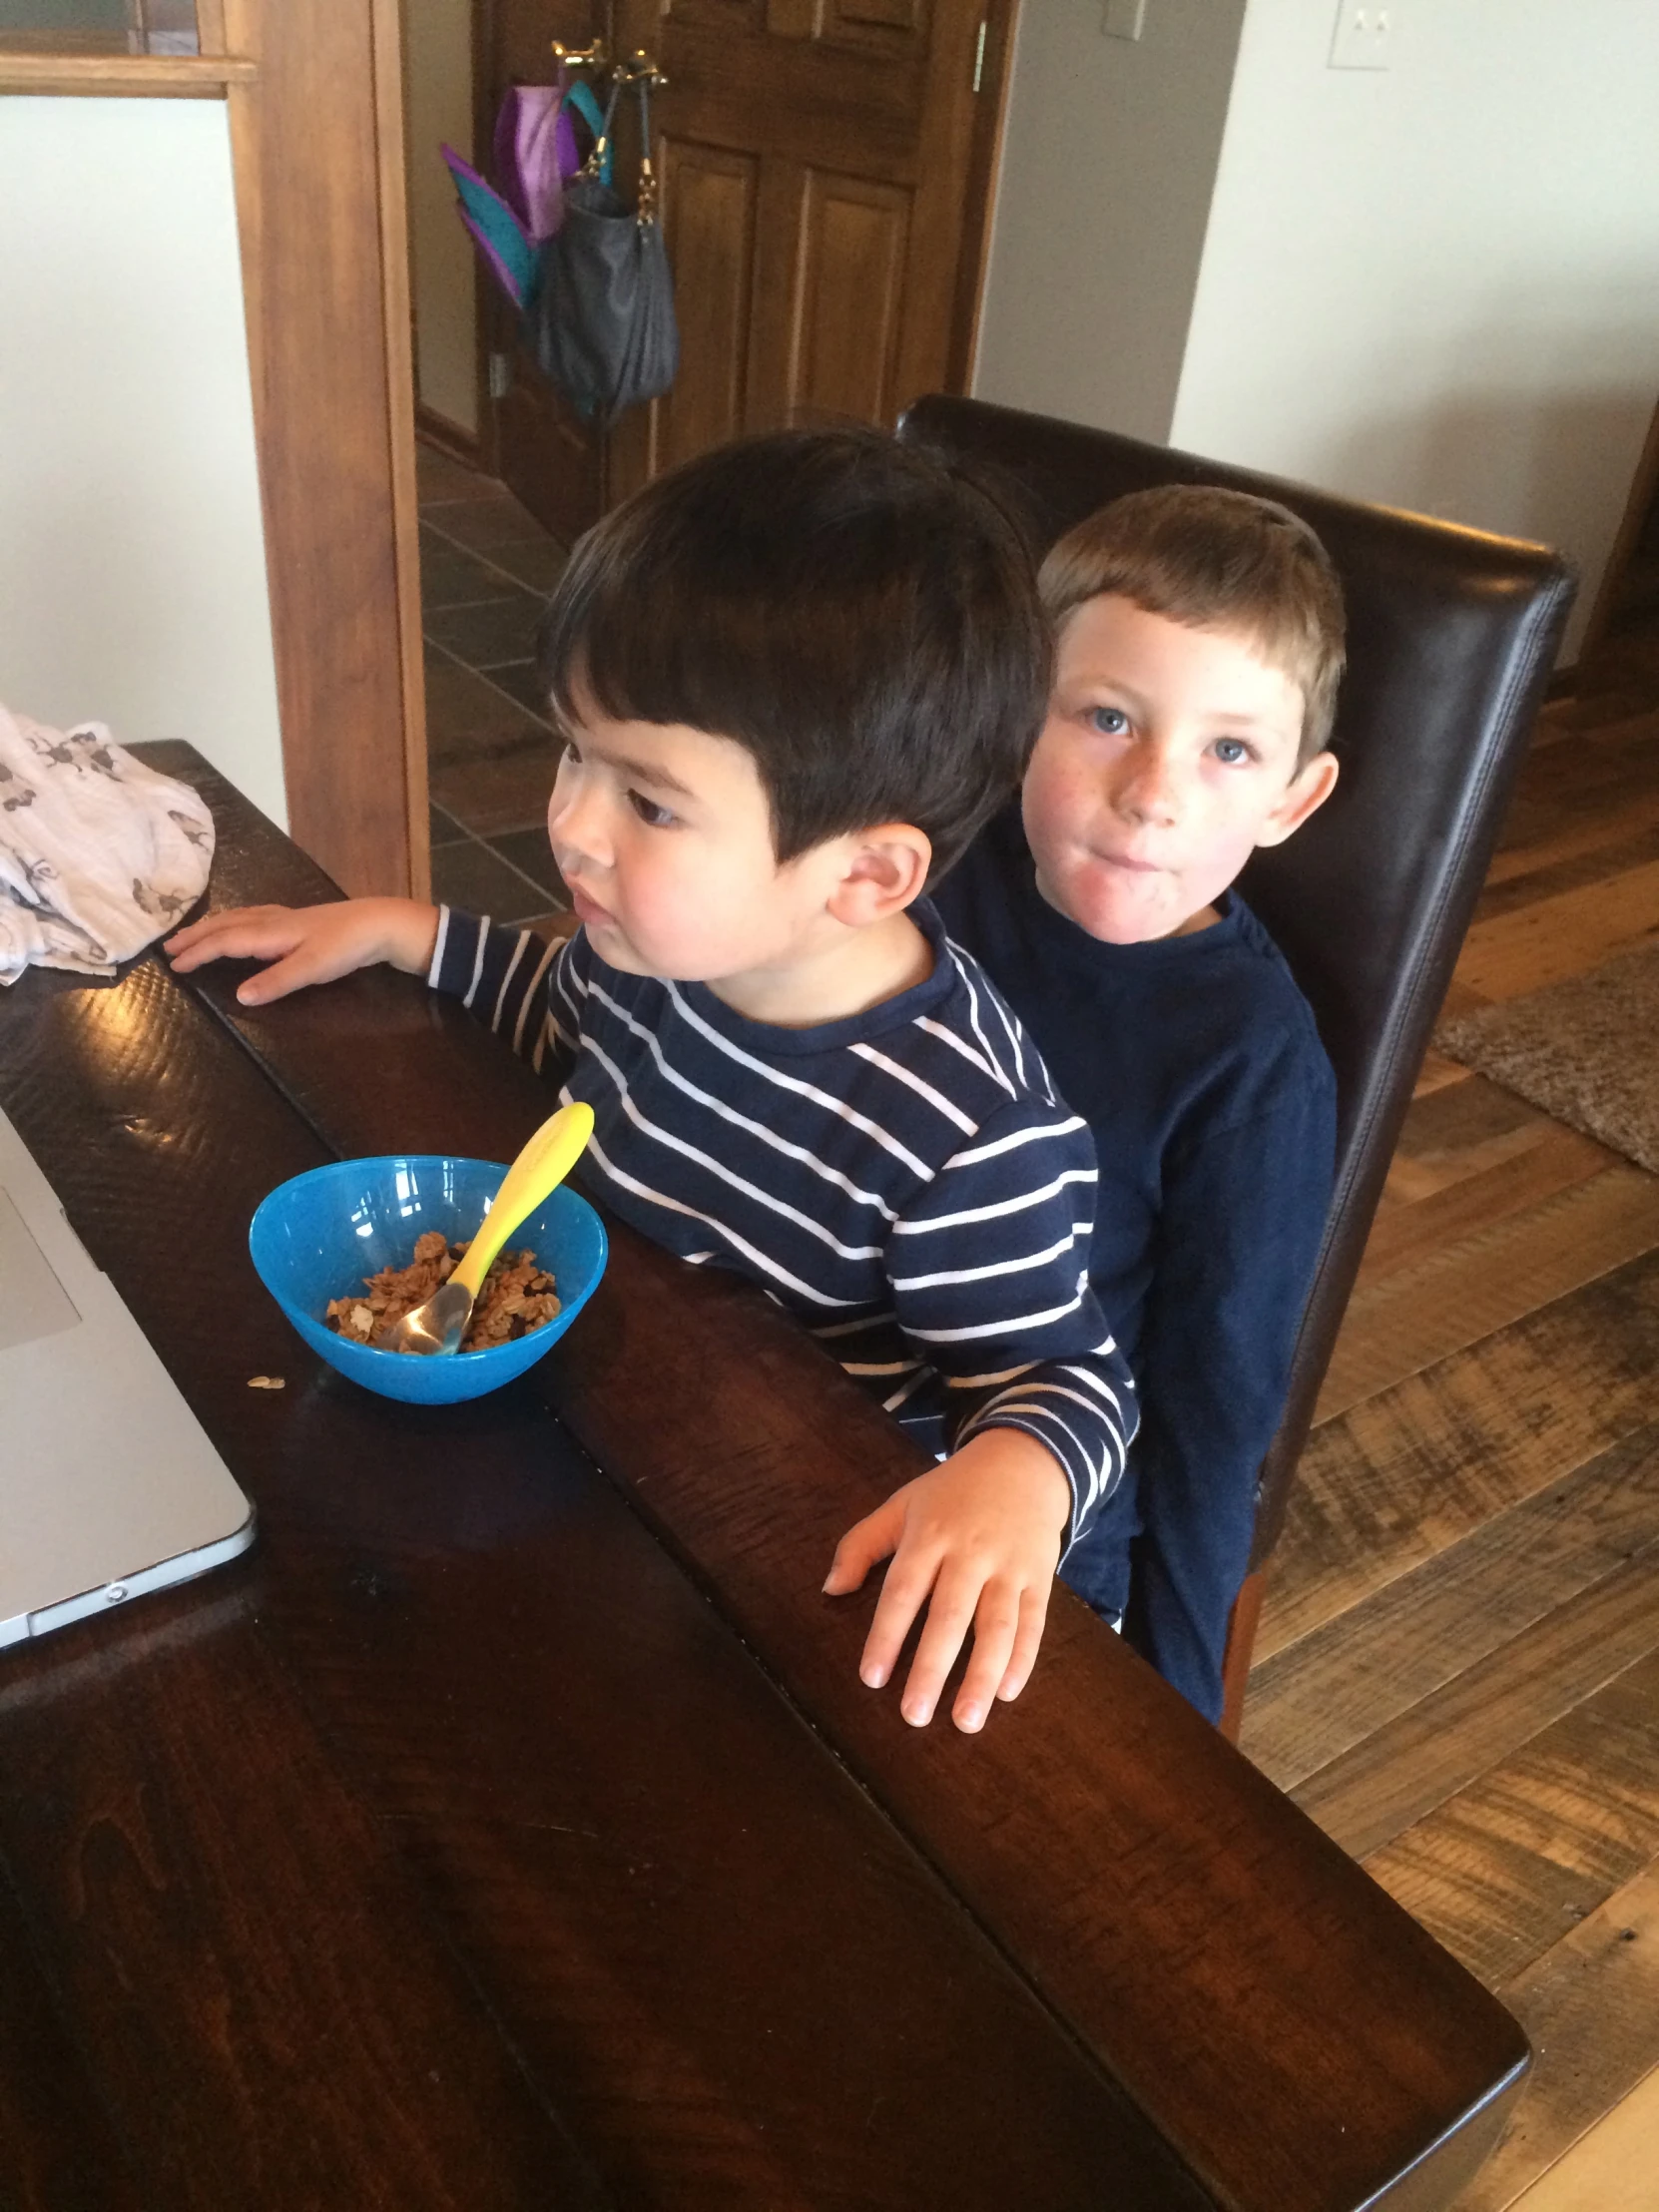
pixel 486 565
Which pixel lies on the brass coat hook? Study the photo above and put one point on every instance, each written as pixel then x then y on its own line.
pixel 639 68
pixel 581 57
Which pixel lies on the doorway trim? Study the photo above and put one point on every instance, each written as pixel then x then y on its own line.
pixel 316 138
pixel 1644 489
pixel 996 56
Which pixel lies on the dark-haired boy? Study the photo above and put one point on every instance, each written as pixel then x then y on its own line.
pixel 794 677
pixel 1200 644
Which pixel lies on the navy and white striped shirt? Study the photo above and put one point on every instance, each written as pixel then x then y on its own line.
pixel 905 1182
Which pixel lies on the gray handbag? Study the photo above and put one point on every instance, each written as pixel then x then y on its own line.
pixel 601 324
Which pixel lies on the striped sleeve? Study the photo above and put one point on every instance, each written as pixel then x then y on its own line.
pixel 526 989
pixel 989 1274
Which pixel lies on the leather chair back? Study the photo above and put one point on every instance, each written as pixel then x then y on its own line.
pixel 1452 636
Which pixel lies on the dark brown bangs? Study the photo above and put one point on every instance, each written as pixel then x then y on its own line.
pixel 854 613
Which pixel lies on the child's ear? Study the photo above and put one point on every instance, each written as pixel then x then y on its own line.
pixel 1304 794
pixel 886 870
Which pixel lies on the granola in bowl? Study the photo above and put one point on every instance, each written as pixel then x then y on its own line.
pixel 517 1296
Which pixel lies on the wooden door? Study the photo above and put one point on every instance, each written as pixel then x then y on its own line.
pixel 826 170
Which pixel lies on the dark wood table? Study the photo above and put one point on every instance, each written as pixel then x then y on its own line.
pixel 510 1828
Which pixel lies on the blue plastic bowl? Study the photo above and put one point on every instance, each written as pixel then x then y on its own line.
pixel 315 1237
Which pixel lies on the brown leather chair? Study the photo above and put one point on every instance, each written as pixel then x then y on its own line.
pixel 1452 638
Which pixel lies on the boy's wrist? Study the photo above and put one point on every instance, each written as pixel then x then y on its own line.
pixel 1034 1462
pixel 408 933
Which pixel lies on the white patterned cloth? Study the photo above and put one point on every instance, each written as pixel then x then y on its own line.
pixel 98 853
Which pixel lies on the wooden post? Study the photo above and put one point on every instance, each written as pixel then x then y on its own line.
pixel 317 144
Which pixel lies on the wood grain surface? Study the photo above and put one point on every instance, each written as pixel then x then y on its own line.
pixel 1458 1664
pixel 1592 2002
pixel 476 1724
pixel 1611 2168
pixel 1413 1469
pixel 1552 1829
pixel 1463 1291
pixel 1006 1816
pixel 670 1926
pixel 1385 1654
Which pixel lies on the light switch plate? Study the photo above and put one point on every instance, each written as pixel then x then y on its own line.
pixel 1365 34
pixel 1123 18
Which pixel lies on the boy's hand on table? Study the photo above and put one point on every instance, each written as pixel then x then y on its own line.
pixel 309 945
pixel 976 1540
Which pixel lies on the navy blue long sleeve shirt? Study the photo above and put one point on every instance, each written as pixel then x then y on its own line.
pixel 904 1180
pixel 1197 1065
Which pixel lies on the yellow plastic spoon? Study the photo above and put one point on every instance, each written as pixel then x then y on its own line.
pixel 438 1324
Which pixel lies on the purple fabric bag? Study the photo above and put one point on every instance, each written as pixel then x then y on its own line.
pixel 535 150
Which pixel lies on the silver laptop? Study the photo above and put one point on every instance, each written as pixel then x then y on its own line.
pixel 108 1485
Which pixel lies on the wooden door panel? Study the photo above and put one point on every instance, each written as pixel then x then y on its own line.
pixel 947 241
pixel 792 18
pixel 853 238
pixel 791 97
pixel 901 15
pixel 890 25
pixel 825 166
pixel 733 18
pixel 522 39
pixel 828 20
pixel 895 26
pixel 551 460
pixel 711 198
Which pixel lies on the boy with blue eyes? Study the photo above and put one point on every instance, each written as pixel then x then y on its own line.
pixel 1200 644
pixel 796 677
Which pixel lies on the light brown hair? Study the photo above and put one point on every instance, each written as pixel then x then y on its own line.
pixel 1215 560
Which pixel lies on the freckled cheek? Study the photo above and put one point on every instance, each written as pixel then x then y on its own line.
pixel 1056 804
pixel 1214 862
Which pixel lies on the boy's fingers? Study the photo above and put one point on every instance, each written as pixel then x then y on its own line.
pixel 904 1594
pixel 283 977
pixel 205 926
pixel 996 1624
pixel 248 935
pixel 950 1614
pixel 1033 1614
pixel 223 917
pixel 864 1543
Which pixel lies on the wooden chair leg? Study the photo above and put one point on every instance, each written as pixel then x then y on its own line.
pixel 1241 1641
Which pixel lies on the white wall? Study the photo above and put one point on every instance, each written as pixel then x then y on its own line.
pixel 1438 286
pixel 437 37
pixel 1110 152
pixel 132 556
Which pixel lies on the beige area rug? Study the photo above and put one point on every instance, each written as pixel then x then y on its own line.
pixel 1586 1051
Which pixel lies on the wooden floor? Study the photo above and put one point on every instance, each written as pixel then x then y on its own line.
pixel 1458 1673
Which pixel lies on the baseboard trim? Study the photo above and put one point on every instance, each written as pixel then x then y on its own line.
pixel 438 430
